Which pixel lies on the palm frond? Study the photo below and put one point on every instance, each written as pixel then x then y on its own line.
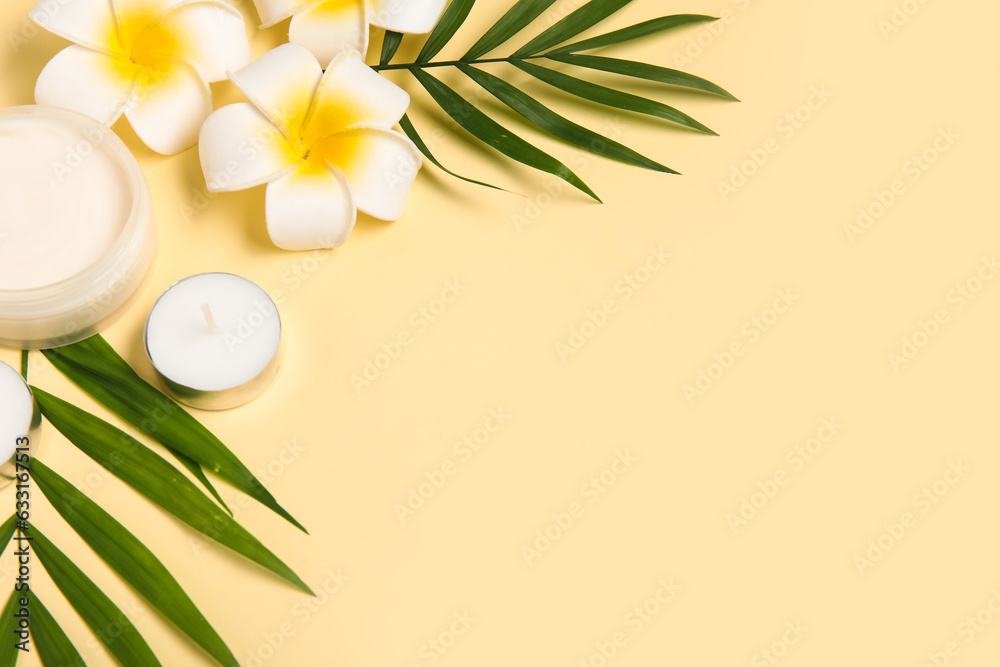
pixel 97 369
pixel 539 57
pixel 128 557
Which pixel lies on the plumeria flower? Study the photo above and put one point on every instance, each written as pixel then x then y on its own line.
pixel 149 59
pixel 327 27
pixel 322 142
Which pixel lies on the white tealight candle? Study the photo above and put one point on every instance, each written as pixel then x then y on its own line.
pixel 77 237
pixel 19 421
pixel 214 340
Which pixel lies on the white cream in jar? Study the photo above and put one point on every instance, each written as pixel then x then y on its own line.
pixel 77 236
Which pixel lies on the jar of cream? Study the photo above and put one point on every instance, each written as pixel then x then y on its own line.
pixel 77 235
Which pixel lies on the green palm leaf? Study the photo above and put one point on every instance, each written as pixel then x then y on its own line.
pixel 514 21
pixel 585 17
pixel 446 28
pixel 642 71
pixel 126 371
pixel 592 92
pixel 415 137
pixel 94 607
pixel 199 474
pixel 7 532
pixel 558 126
pixel 151 475
pixel 547 45
pixel 130 558
pixel 493 134
pixel 97 369
pixel 54 647
pixel 8 627
pixel 390 44
pixel 8 624
pixel 635 32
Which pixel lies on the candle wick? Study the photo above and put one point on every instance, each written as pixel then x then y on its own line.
pixel 209 318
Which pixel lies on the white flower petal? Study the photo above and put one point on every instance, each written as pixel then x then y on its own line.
pixel 410 16
pixel 169 106
pixel 86 22
pixel 240 149
pixel 381 166
pixel 282 84
pixel 330 27
pixel 353 94
pixel 208 34
pixel 86 81
pixel 276 11
pixel 309 209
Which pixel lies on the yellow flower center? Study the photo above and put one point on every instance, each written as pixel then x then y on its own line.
pixel 144 41
pixel 336 150
pixel 313 158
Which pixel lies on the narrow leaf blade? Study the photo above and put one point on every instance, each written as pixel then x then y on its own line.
pixel 390 44
pixel 583 18
pixel 199 474
pixel 593 92
pixel 97 369
pixel 558 126
pixel 9 653
pixel 131 559
pixel 637 31
pixel 189 463
pixel 446 28
pixel 643 71
pixel 94 607
pixel 411 132
pixel 514 21
pixel 7 532
pixel 493 134
pixel 152 476
pixel 54 647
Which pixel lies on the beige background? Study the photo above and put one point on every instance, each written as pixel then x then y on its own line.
pixel 350 457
